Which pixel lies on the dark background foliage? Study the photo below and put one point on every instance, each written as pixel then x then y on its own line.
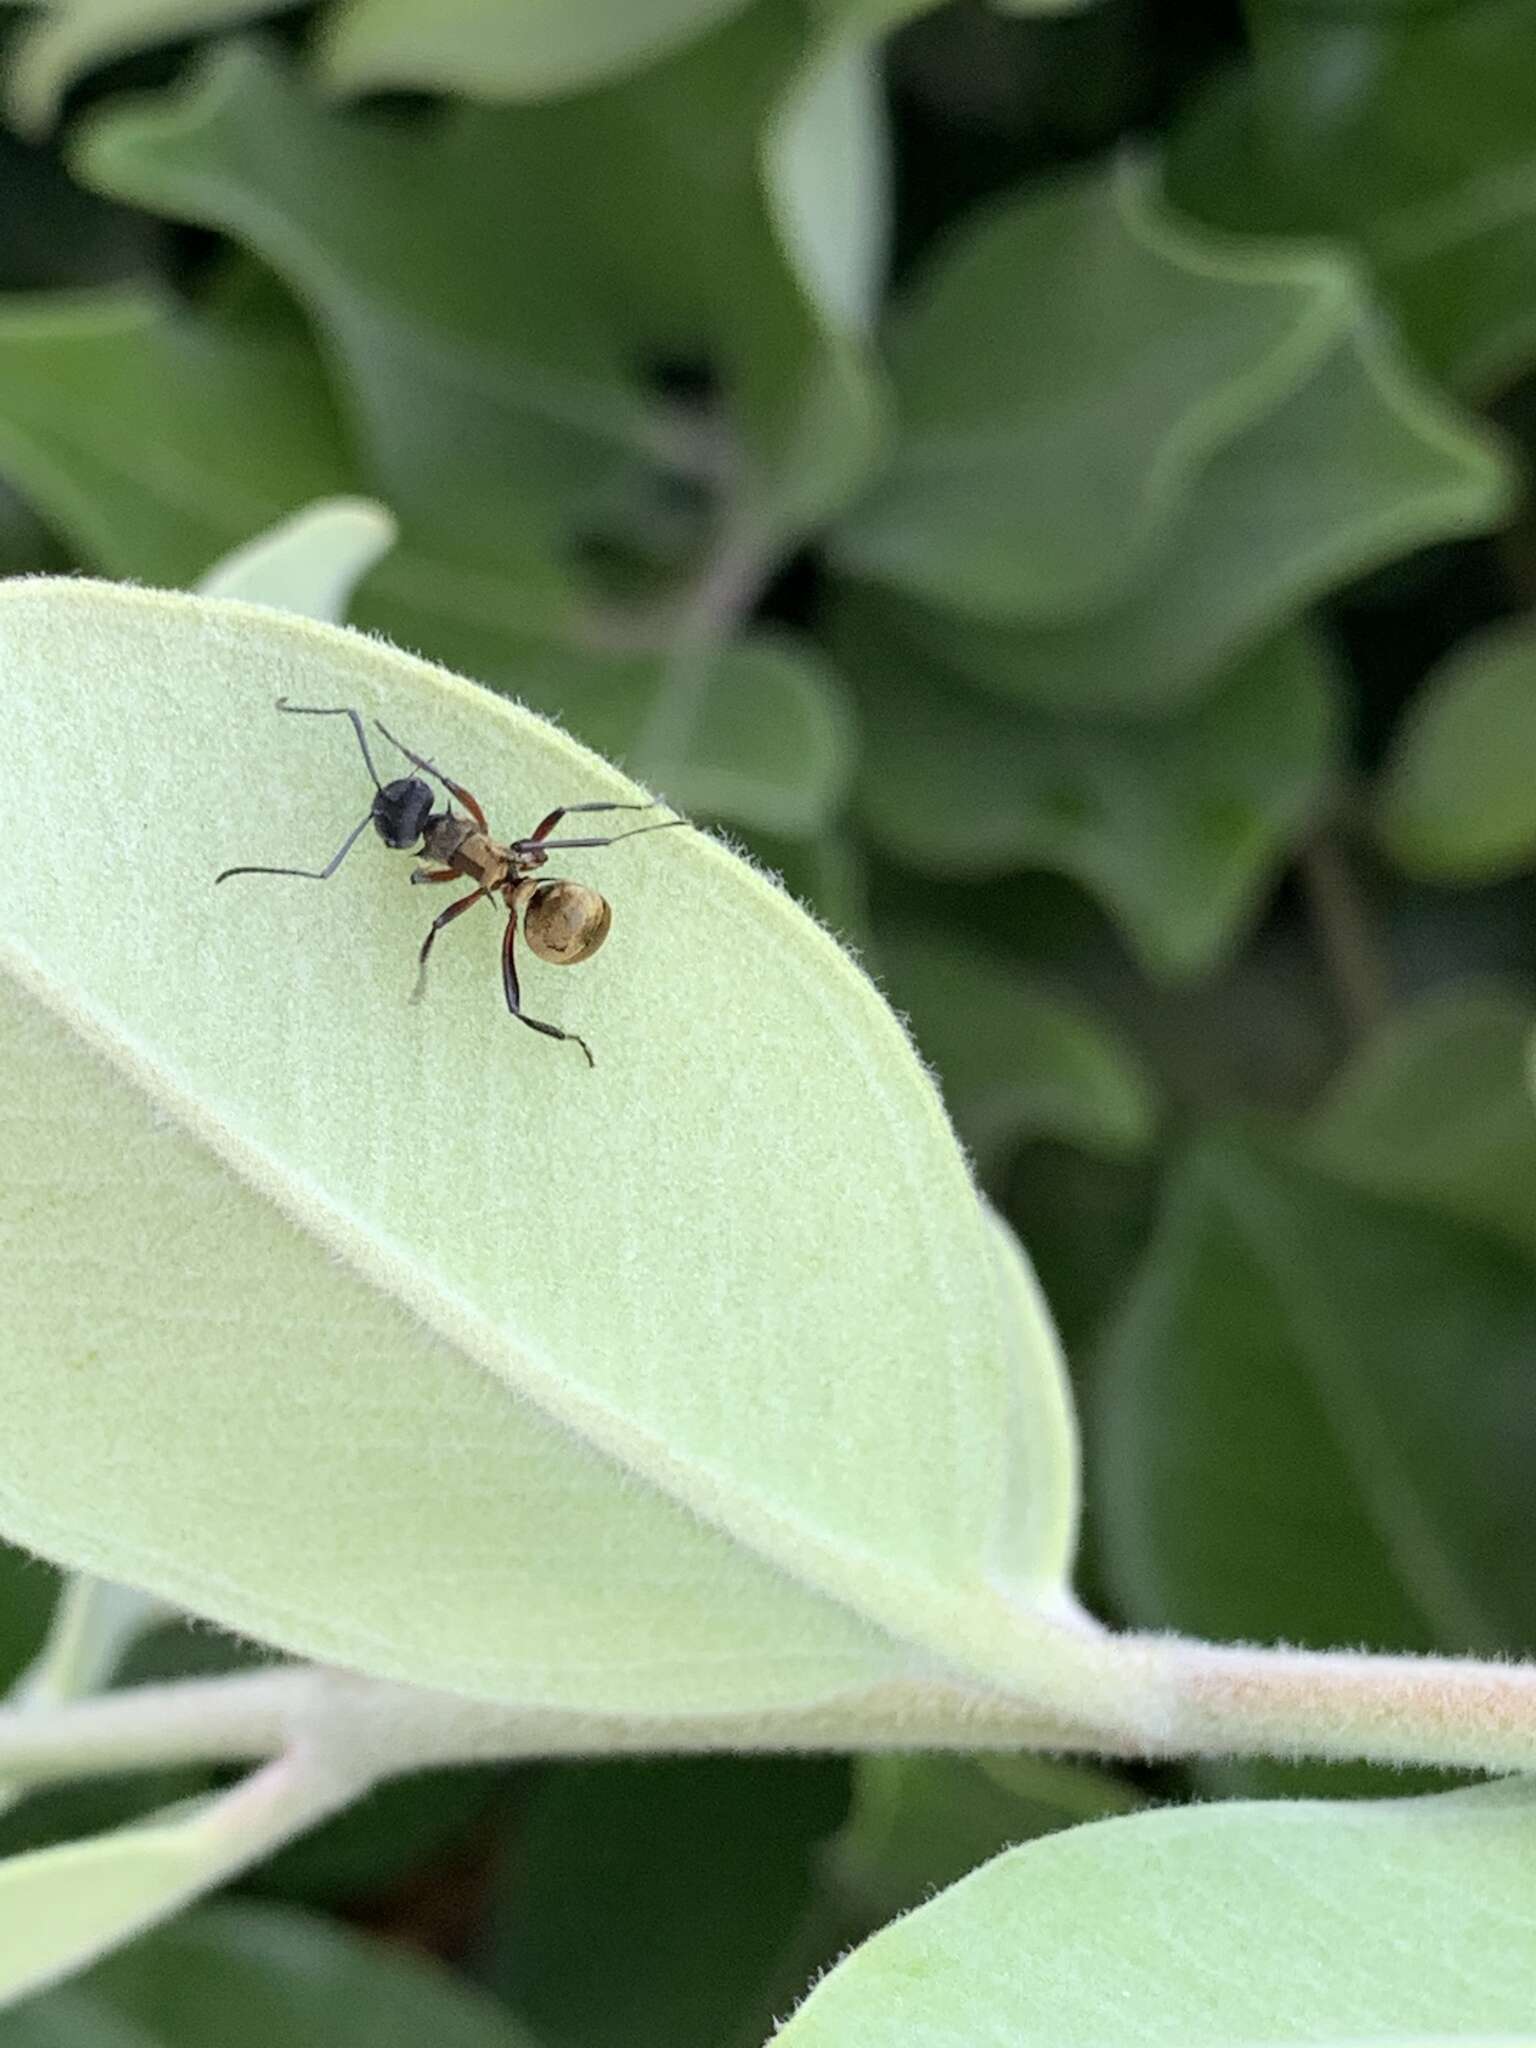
pixel 1099 584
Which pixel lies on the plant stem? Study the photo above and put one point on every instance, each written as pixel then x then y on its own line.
pixel 1439 1711
pixel 1153 1696
pixel 1340 920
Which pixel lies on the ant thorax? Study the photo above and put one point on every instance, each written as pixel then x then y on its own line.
pixel 459 844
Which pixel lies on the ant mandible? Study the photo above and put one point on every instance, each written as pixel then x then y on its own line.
pixel 563 922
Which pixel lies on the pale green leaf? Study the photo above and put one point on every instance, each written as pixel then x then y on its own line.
pixel 61 1908
pixel 310 563
pixel 1362 462
pixel 1175 824
pixel 697 1379
pixel 249 1976
pixel 1065 373
pixel 1016 1061
pixel 1399 1922
pixel 826 161
pixel 504 49
pixel 1458 799
pixel 1435 1109
pixel 126 419
pixel 65 38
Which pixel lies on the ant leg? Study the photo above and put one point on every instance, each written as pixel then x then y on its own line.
pixel 308 874
pixel 542 830
pixel 564 845
pixel 428 768
pixel 337 711
pixel 419 875
pixel 514 994
pixel 454 910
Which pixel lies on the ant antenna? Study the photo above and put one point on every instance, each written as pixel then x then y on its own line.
pixel 415 759
pixel 565 845
pixel 309 874
pixel 338 711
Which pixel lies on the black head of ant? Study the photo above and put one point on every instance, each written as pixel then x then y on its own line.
pixel 400 812
pixel 564 922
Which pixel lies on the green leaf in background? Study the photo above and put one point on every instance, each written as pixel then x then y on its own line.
pixel 758 732
pixel 1458 800
pixel 1361 463
pixel 1175 825
pixel 399 1833
pixel 28 1590
pixel 127 420
pixel 1064 374
pixel 921 1822
pixel 829 875
pixel 54 235
pixel 1016 1061
pixel 248 1976
pixel 63 39
pixel 504 49
pixel 499 297
pixel 686 1505
pixel 1435 1110
pixel 1412 132
pixel 648 1905
pixel 1311 1419
pixel 823 140
pixel 826 162
pixel 1216 1927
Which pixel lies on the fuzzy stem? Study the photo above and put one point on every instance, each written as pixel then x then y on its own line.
pixel 1204 1699
pixel 1438 1711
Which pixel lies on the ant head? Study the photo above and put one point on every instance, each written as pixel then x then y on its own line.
pixel 400 812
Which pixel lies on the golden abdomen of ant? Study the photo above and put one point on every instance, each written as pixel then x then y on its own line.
pixel 564 922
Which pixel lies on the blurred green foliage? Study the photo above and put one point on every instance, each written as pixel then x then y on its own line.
pixel 1016 469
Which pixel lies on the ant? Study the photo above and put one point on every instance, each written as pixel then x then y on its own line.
pixel 563 922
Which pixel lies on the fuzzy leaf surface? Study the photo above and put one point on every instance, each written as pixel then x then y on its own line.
pixel 1238 1926
pixel 401 1339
